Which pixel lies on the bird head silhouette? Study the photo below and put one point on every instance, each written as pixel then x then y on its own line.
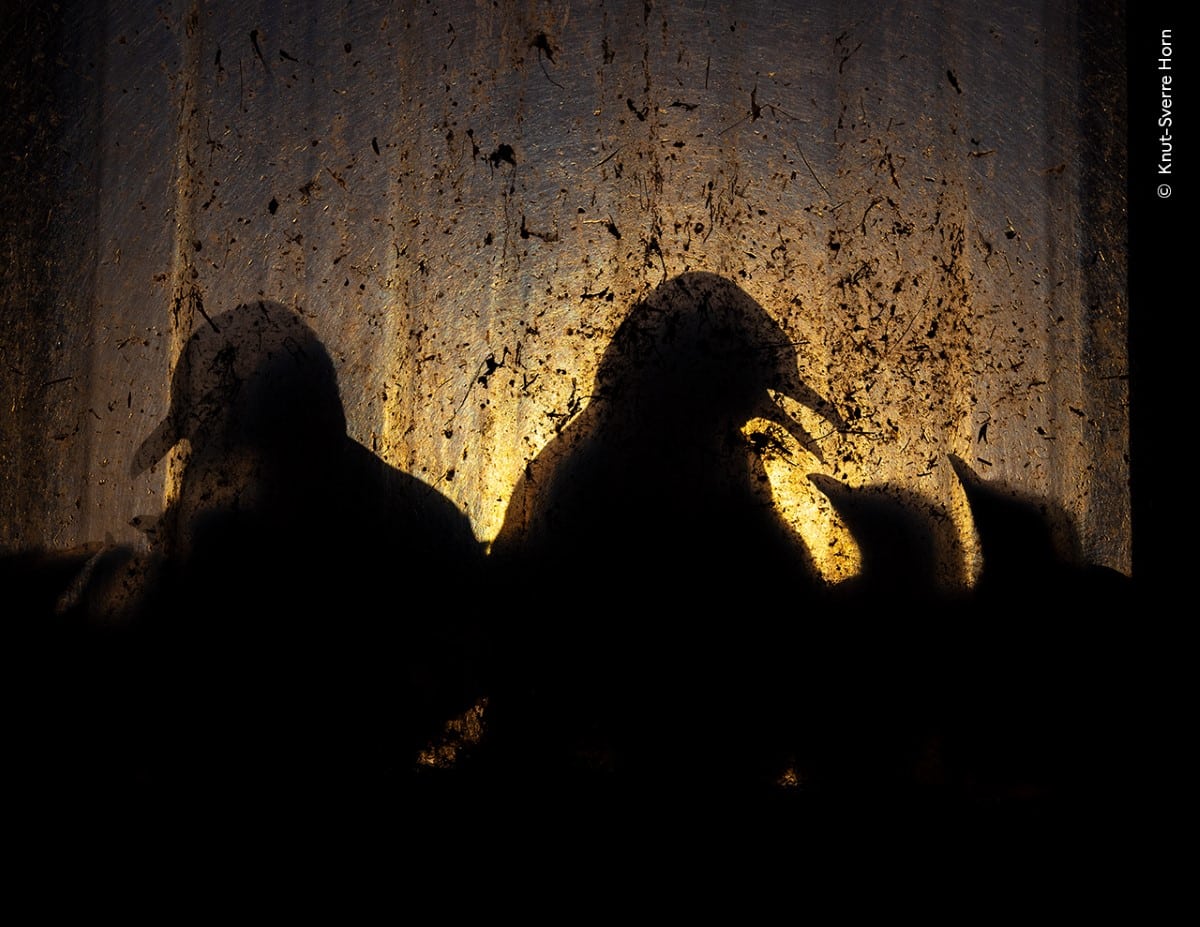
pixel 255 377
pixel 699 355
pixel 1020 537
pixel 254 395
pixel 909 544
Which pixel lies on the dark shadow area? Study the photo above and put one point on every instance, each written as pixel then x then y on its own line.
pixel 673 637
pixel 308 619
pixel 1009 690
pixel 302 621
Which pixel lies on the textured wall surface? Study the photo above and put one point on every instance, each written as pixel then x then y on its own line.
pixel 463 200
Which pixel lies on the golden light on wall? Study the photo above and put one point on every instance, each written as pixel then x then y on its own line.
pixel 600 377
pixel 834 551
pixel 464 205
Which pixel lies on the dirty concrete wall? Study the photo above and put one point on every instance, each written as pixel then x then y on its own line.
pixel 464 199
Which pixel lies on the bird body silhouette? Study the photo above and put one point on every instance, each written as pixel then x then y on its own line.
pixel 667 586
pixel 281 630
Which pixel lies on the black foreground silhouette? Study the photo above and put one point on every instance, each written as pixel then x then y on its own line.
pixel 279 638
pixel 308 618
pixel 667 597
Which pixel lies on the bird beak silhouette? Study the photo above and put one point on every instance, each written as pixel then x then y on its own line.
pixel 836 492
pixel 155 447
pixel 796 391
pixel 968 477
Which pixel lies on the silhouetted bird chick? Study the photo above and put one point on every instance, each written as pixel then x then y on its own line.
pixel 666 584
pixel 879 672
pixel 908 546
pixel 1031 553
pixel 1039 691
